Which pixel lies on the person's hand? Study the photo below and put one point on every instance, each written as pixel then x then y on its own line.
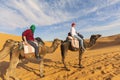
pixel 25 43
pixel 73 38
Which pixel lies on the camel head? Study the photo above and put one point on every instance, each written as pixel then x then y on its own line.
pixel 93 39
pixel 57 41
pixel 10 43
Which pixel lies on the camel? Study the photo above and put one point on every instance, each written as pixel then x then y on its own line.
pixel 66 45
pixel 17 54
pixel 7 47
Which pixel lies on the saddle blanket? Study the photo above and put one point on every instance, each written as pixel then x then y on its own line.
pixel 28 48
pixel 74 42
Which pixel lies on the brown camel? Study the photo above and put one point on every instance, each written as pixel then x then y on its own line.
pixel 16 54
pixel 7 47
pixel 66 45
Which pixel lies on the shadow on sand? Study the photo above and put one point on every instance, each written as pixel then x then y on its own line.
pixel 3 67
pixel 23 64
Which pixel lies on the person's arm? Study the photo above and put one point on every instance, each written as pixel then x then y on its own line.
pixel 71 31
pixel 25 41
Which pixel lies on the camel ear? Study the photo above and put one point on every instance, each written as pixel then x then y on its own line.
pixel 9 40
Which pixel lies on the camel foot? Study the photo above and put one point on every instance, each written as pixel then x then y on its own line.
pixel 67 69
pixel 17 79
pixel 41 76
pixel 81 66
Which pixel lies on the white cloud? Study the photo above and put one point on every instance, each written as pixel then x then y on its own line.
pixel 112 2
pixel 10 19
pixel 110 26
pixel 22 13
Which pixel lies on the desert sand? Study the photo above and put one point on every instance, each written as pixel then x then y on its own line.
pixel 101 62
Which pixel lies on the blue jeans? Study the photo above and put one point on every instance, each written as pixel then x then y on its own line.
pixel 80 40
pixel 35 46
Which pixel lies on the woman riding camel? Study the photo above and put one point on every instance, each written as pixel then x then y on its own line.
pixel 75 35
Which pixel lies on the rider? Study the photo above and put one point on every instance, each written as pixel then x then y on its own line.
pixel 75 35
pixel 28 38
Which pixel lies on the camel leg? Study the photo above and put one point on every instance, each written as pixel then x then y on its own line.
pixel 63 54
pixel 65 66
pixel 80 57
pixel 41 67
pixel 10 71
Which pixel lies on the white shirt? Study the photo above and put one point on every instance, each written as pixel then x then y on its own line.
pixel 73 31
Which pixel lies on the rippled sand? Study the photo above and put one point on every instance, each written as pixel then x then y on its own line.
pixel 101 62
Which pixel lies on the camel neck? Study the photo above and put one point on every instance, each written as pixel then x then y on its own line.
pixel 5 49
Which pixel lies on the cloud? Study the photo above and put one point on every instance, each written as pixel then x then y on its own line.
pixel 100 15
pixel 110 26
pixel 47 12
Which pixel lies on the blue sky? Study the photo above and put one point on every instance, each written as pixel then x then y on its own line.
pixel 53 18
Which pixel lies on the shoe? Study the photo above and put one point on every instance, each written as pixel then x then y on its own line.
pixel 83 49
pixel 38 58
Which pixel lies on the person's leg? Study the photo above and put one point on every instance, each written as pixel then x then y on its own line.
pixel 36 48
pixel 81 41
pixel 39 40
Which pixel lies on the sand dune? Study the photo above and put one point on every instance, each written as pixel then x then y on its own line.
pixel 101 62
pixel 4 37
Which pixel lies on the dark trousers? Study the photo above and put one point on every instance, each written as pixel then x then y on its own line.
pixel 35 47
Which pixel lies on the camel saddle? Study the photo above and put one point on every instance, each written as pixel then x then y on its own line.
pixel 28 48
pixel 74 42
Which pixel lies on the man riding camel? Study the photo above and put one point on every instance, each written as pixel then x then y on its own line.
pixel 28 38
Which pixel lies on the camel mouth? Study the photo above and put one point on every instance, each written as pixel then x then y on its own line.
pixel 99 35
pixel 16 43
pixel 62 41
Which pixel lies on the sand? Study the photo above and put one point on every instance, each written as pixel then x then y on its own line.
pixel 101 62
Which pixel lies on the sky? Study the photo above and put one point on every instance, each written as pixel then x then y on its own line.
pixel 53 18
